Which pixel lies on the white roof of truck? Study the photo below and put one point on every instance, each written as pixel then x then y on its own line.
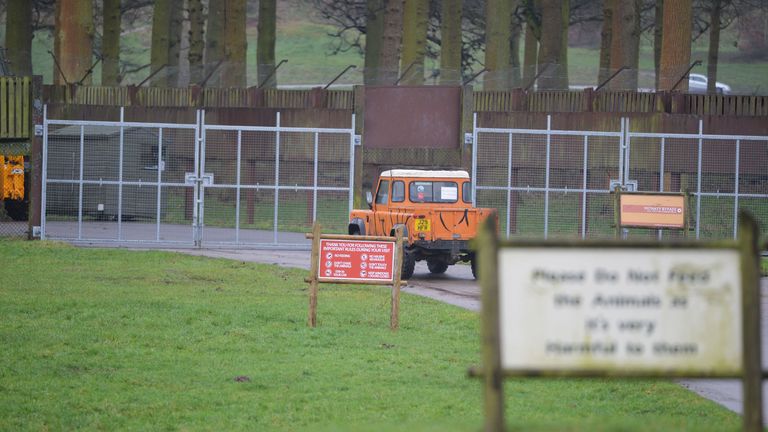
pixel 425 173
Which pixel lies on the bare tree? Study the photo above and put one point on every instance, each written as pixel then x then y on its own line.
pixel 415 16
pixel 675 44
pixel 265 45
pixel 110 43
pixel 73 41
pixel 18 36
pixel 554 48
pixel 498 22
pixel 450 44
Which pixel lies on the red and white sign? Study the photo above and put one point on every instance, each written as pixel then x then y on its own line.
pixel 359 260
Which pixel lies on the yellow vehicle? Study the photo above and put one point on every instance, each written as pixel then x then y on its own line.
pixel 12 190
pixel 434 208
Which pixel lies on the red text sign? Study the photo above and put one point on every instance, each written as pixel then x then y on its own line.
pixel 356 260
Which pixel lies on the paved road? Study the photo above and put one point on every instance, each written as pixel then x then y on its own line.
pixel 458 287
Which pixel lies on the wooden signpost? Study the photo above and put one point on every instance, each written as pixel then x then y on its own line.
pixel 621 309
pixel 344 259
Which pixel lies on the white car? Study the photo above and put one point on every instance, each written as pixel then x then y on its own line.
pixel 697 83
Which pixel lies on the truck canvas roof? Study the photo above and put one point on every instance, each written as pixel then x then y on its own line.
pixel 425 173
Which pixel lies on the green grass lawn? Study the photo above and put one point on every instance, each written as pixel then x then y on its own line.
pixel 115 339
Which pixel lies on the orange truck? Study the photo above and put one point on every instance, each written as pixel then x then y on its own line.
pixel 434 208
pixel 12 186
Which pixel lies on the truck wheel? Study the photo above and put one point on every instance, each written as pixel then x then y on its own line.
pixel 17 209
pixel 473 264
pixel 436 265
pixel 409 264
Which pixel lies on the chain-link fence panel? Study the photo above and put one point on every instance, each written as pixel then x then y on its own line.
pixel 547 183
pixel 117 181
pixel 721 174
pixel 270 184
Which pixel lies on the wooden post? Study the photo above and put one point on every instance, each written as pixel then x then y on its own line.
pixel 752 379
pixel 487 256
pixel 313 269
pixel 394 318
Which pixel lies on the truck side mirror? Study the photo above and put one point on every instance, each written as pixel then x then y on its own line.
pixel 369 199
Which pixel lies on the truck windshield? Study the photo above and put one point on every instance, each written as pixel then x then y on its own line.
pixel 433 192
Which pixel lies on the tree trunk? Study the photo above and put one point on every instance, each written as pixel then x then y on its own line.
pixel 196 43
pixel 625 43
pixel 675 44
pixel 214 41
pixel 658 22
pixel 714 45
pixel 233 74
pixel 175 24
pixel 73 41
pixel 530 56
pixel 415 17
pixel 553 54
pixel 498 19
pixel 606 35
pixel 389 58
pixel 110 44
pixel 450 43
pixel 374 26
pixel 18 36
pixel 514 51
pixel 161 20
pixel 265 44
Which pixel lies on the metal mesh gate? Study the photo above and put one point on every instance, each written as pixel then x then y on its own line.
pixel 722 173
pixel 194 184
pixel 118 181
pixel 547 183
pixel 552 183
pixel 271 183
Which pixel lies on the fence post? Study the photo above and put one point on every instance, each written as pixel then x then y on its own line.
pixel 752 380
pixel 313 268
pixel 394 319
pixel 487 242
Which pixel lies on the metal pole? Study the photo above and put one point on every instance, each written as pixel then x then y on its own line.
pixel 621 152
pixel 736 191
pixel 352 151
pixel 661 175
pixel 80 188
pixel 546 180
pixel 120 176
pixel 509 182
pixel 237 193
pixel 277 175
pixel 159 182
pixel 627 150
pixel 474 159
pixel 201 190
pixel 584 187
pixel 44 191
pixel 314 180
pixel 698 179
pixel 195 215
pixel 339 76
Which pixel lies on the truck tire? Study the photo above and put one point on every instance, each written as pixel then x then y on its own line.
pixel 436 265
pixel 409 264
pixel 17 209
pixel 473 264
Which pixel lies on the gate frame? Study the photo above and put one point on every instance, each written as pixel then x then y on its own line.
pixel 198 208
